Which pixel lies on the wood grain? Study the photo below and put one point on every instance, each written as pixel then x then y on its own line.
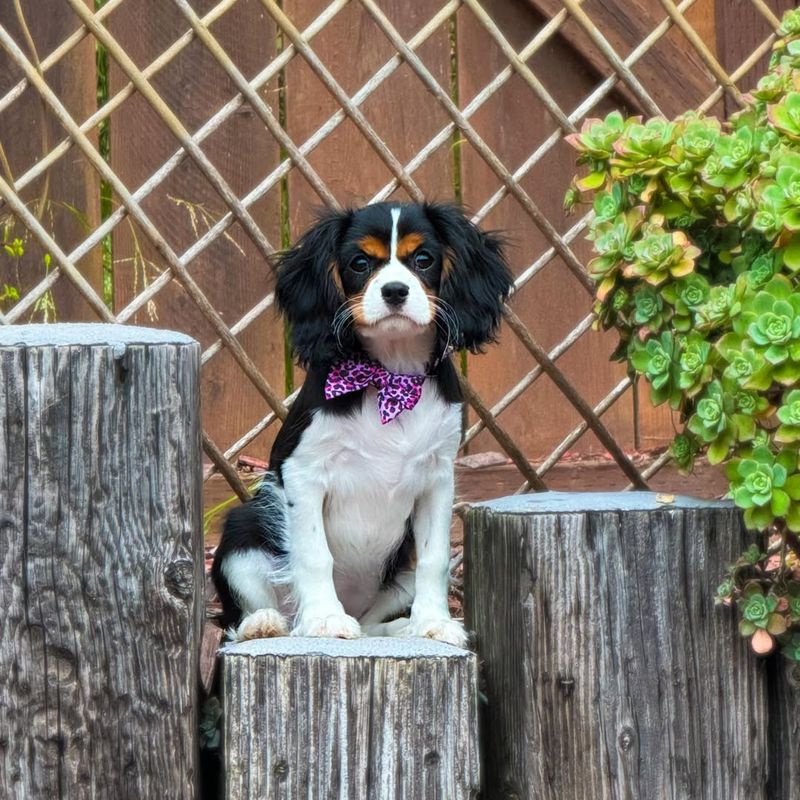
pixel 230 271
pixel 624 23
pixel 515 123
pixel 740 29
pixel 371 718
pixel 67 198
pixel 609 673
pixel 100 562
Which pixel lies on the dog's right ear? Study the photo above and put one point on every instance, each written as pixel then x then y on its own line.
pixel 309 291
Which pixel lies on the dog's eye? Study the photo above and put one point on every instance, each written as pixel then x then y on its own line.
pixel 359 264
pixel 423 259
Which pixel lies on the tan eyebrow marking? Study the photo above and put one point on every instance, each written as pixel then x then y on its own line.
pixel 408 244
pixel 374 247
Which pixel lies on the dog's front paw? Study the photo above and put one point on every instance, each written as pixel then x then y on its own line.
pixel 338 626
pixel 442 629
pixel 262 624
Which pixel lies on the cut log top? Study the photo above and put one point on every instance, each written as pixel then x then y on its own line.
pixel 64 334
pixel 582 502
pixel 367 647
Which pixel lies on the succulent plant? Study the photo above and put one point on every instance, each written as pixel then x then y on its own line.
pixel 696 234
pixel 657 360
pixel 789 416
pixel 695 368
pixel 659 254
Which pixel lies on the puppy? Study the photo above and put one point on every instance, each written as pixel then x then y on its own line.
pixel 350 529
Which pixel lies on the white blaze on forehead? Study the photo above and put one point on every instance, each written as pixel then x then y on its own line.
pixel 416 308
pixel 395 220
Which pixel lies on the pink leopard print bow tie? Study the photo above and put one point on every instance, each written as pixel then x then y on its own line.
pixel 396 392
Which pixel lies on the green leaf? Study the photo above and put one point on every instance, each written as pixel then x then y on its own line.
pixel 718 450
pixel 779 503
pixel 792 487
pixel 776 625
pixel 747 628
pixel 791 255
pixel 594 180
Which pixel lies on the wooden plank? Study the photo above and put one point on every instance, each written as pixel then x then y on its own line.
pixel 612 674
pixel 784 729
pixel 624 23
pixel 100 562
pixel 740 28
pixel 514 123
pixel 400 110
pixel 374 717
pixel 231 273
pixel 67 198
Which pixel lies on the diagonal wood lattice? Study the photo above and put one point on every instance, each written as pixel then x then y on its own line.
pixel 156 154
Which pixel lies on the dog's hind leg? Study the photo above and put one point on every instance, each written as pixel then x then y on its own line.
pixel 250 562
pixel 248 574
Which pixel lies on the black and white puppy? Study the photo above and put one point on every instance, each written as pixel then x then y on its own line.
pixel 351 527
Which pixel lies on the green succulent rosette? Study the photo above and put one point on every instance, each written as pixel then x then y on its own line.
pixel 694 366
pixel 644 148
pixel 657 360
pixel 660 254
pixel 745 365
pixel 789 416
pixel 613 243
pixel 684 449
pixel 770 319
pixel 759 610
pixel 723 304
pixel 717 422
pixel 686 296
pixel 785 116
pixel 727 166
pixel 766 485
pixel 595 143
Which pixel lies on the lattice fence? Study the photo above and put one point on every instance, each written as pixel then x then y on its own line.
pixel 156 153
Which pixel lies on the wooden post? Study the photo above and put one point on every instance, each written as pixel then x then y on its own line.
pixel 609 672
pixel 369 718
pixel 100 562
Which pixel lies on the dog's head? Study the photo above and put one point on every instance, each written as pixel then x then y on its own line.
pixel 391 270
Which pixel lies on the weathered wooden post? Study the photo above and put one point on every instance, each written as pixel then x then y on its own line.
pixel 100 562
pixel 609 672
pixel 371 718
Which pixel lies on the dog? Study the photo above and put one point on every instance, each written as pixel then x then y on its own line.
pixel 349 531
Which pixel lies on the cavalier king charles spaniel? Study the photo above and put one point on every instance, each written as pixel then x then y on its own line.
pixel 349 532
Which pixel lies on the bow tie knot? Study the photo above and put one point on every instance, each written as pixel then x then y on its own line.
pixel 396 392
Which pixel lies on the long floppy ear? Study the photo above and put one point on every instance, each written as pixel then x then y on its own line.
pixel 308 289
pixel 476 278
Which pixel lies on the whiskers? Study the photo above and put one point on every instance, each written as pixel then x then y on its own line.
pixel 343 319
pixel 446 321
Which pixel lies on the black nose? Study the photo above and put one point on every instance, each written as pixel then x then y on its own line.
pixel 394 293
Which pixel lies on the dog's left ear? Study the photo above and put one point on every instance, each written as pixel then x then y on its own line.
pixel 308 290
pixel 476 279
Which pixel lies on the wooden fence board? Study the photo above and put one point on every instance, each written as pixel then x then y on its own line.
pixel 71 187
pixel 400 110
pixel 231 272
pixel 514 123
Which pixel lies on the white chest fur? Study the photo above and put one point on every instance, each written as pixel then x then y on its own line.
pixel 370 476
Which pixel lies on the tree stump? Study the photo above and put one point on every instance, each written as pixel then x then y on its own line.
pixel 100 562
pixel 609 672
pixel 379 718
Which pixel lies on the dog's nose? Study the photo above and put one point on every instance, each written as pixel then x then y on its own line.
pixel 394 293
